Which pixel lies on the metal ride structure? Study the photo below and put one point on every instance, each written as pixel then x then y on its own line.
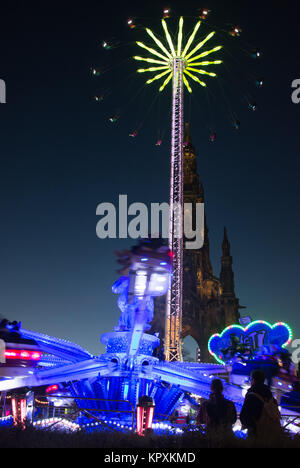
pixel 174 297
pixel 100 386
pixel 131 371
pixel 178 63
pixel 127 372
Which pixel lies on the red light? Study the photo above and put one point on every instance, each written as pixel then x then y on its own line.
pixel 10 354
pixel 22 354
pixel 144 415
pixel 149 418
pixel 52 388
pixel 139 420
pixel 36 356
pixel 19 411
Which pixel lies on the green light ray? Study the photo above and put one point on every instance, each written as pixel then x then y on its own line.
pixel 215 62
pixel 166 82
pixel 150 60
pixel 157 41
pixel 195 78
pixel 143 70
pixel 187 84
pixel 168 37
pixel 204 54
pixel 179 40
pixel 152 51
pixel 157 77
pixel 198 46
pixel 191 38
pixel 202 72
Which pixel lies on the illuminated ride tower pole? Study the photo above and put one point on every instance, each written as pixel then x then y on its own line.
pixel 172 345
pixel 176 65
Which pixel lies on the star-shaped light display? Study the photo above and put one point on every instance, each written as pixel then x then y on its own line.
pixel 190 59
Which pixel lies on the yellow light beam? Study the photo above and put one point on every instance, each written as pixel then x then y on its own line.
pixel 168 37
pixel 195 78
pixel 151 69
pixel 158 42
pixel 204 54
pixel 202 72
pixel 166 82
pixel 191 38
pixel 198 46
pixel 150 60
pixel 187 84
pixel 215 62
pixel 152 51
pixel 157 77
pixel 166 57
pixel 179 39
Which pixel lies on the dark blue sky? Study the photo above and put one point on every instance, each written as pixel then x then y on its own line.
pixel 59 158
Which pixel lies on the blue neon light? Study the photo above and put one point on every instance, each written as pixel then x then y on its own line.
pixel 256 335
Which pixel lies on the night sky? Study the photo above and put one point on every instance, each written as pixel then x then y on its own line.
pixel 60 158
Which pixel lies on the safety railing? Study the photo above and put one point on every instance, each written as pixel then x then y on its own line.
pixel 91 410
pixel 288 416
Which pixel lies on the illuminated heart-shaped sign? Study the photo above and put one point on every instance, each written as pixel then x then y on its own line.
pixel 256 335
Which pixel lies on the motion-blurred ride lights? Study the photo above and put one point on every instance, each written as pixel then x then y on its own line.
pixel 150 275
pixel 57 424
pixel 22 354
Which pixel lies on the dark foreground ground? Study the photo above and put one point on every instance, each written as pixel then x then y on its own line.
pixel 31 438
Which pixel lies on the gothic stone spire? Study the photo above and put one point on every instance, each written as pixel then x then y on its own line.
pixel 226 275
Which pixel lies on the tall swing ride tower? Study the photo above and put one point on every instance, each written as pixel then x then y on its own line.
pixel 178 63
